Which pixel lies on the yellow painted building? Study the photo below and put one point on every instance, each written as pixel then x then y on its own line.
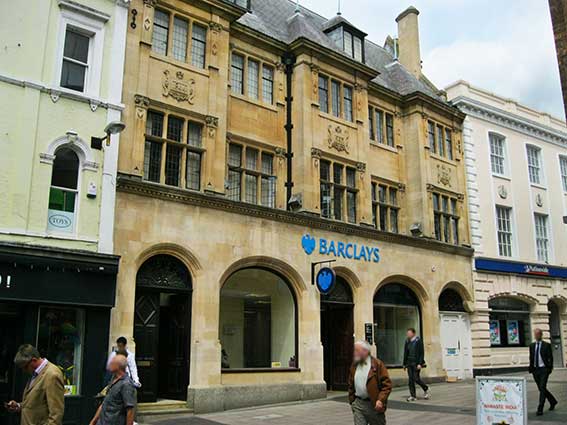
pixel 262 138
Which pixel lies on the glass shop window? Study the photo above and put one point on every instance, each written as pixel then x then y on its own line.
pixel 257 321
pixel 60 340
pixel 509 323
pixel 396 308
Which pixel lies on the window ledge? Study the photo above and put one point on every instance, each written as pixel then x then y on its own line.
pixel 538 186
pixel 338 120
pixel 502 177
pixel 383 146
pixel 443 159
pixel 257 103
pixel 179 64
pixel 263 370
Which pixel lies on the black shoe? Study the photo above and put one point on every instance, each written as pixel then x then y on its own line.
pixel 539 413
pixel 552 407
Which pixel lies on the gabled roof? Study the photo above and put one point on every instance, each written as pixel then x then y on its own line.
pixel 280 20
pixel 337 21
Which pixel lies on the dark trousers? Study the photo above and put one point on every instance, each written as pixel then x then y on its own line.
pixel 541 376
pixel 415 378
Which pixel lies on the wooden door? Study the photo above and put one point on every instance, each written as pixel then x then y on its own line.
pixel 174 348
pixel 146 335
pixel 337 331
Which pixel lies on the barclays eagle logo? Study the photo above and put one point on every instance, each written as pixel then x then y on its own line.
pixel 308 244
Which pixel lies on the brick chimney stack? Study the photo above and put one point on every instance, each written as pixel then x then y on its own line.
pixel 408 35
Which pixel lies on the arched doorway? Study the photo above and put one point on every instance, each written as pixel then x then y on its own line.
pixel 337 334
pixel 396 308
pixel 509 323
pixel 455 335
pixel 555 333
pixel 258 321
pixel 162 328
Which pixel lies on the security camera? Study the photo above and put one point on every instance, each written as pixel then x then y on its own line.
pixel 295 202
pixel 416 229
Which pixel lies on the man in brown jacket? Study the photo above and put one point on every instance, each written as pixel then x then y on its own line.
pixel 369 387
pixel 44 396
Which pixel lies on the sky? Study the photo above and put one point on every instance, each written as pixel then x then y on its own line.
pixel 504 46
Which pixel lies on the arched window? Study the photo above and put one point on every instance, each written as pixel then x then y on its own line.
pixel 64 191
pixel 258 321
pixel 451 300
pixel 509 322
pixel 396 308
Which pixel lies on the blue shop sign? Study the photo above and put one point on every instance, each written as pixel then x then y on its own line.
pixel 338 249
pixel 500 266
pixel 326 279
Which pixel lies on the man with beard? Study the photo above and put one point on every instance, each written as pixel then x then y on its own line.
pixel 369 387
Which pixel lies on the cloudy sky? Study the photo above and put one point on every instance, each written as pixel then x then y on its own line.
pixel 505 46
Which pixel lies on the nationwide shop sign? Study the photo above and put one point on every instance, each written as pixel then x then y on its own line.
pixel 338 249
pixel 501 401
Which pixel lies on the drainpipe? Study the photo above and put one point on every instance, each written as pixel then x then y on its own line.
pixel 288 60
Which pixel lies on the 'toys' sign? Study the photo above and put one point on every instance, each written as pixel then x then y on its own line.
pixel 349 250
pixel 326 279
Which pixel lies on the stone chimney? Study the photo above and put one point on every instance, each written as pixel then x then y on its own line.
pixel 408 35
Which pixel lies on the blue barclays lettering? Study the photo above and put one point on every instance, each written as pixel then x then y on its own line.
pixel 340 249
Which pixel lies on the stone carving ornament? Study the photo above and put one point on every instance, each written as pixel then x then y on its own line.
pixel 539 200
pixel 338 138
pixel 444 175
pixel 502 191
pixel 177 87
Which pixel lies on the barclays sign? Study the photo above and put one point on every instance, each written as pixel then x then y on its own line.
pixel 338 249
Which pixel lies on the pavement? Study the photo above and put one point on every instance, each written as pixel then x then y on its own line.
pixel 451 403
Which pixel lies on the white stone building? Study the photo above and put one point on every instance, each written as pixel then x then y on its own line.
pixel 516 161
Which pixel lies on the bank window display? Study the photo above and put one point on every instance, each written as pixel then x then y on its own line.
pixel 381 126
pixel 177 36
pixel 60 340
pixel 563 168
pixel 182 141
pixel 63 194
pixel 338 192
pixel 509 322
pixel 542 237
pixel 253 78
pixel 440 140
pixel 534 164
pixel 385 207
pixel 497 154
pixel 339 103
pixel 257 321
pixel 505 236
pixel 396 308
pixel 446 218
pixel 251 175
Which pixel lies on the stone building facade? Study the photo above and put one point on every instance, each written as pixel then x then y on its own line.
pixel 558 9
pixel 262 138
pixel 516 161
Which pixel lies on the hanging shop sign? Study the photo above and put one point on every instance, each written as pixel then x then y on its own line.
pixel 338 249
pixel 5 281
pixel 501 401
pixel 326 279
pixel 368 333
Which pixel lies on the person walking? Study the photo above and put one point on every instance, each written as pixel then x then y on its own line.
pixel 43 401
pixel 541 366
pixel 132 368
pixel 414 362
pixel 369 387
pixel 119 404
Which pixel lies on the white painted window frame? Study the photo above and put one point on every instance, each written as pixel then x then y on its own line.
pixel 505 164
pixel 563 158
pixel 541 166
pixel 91 23
pixel 512 230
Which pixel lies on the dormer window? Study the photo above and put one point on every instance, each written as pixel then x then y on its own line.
pixel 346 37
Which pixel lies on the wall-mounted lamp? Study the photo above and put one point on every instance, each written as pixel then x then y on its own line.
pixel 111 128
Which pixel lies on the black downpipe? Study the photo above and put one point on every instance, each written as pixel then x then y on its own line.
pixel 288 60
